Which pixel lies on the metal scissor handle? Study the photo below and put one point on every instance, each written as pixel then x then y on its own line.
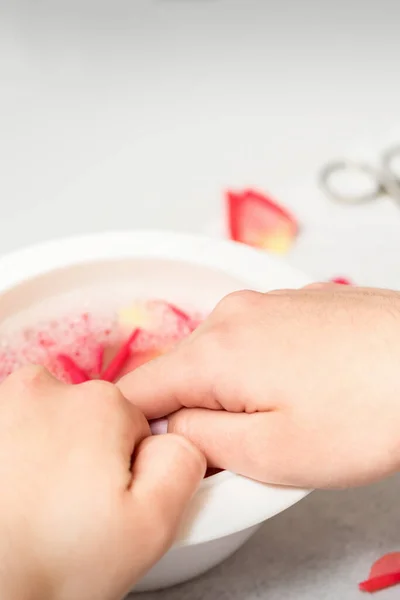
pixel 392 176
pixel 388 158
pixel 328 172
pixel 383 180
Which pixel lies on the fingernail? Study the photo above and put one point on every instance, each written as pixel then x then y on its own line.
pixel 159 426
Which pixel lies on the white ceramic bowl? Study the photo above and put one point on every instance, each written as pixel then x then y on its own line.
pixel 190 271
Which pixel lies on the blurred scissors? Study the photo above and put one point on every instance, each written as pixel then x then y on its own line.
pixel 382 180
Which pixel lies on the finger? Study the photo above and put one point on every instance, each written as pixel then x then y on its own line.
pixel 166 473
pixel 247 444
pixel 166 384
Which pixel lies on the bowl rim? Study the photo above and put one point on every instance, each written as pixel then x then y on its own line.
pixel 217 508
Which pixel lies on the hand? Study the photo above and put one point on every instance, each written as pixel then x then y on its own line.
pixel 77 520
pixel 291 387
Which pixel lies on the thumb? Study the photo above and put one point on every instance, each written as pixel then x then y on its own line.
pixel 165 475
pixel 255 445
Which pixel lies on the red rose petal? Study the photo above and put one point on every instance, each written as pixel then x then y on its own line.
pixel 257 220
pixel 118 362
pixel 386 564
pixel 178 312
pixel 384 573
pixel 75 373
pixel 341 281
pixel 376 584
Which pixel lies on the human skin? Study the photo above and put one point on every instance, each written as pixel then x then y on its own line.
pixel 294 387
pixel 89 500
pixel 290 387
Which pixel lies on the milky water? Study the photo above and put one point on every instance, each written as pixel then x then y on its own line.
pixel 79 324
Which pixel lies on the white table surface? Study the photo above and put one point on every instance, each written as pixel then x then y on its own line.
pixel 126 114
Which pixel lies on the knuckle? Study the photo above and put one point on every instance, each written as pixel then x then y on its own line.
pixel 30 377
pixel 236 302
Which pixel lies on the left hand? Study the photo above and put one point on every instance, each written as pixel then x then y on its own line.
pixel 89 500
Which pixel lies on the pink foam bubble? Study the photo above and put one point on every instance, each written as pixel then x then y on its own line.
pixel 86 337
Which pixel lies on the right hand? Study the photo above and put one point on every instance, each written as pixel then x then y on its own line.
pixel 295 387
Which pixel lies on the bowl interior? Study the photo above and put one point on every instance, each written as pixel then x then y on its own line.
pixel 110 284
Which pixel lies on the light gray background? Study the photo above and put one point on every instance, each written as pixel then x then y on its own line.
pixel 80 80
